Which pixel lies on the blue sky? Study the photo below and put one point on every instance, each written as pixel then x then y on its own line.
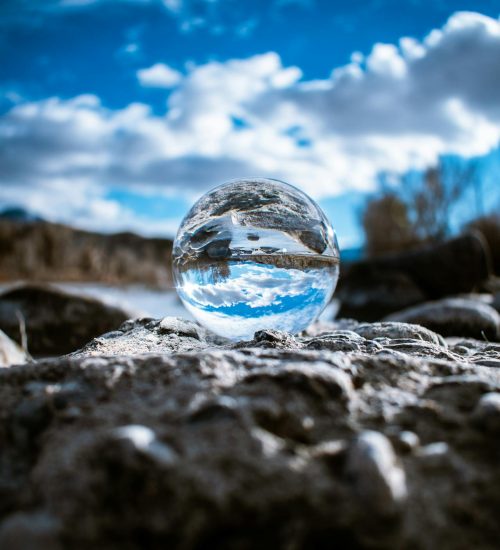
pixel 118 114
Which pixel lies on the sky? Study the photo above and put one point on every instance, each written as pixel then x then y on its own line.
pixel 118 114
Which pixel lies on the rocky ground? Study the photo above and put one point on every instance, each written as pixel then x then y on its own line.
pixel 159 435
pixel 355 434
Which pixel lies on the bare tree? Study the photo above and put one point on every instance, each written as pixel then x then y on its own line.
pixel 418 210
pixel 430 204
pixel 387 225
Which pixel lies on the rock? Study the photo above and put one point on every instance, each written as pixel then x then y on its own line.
pixel 277 338
pixel 10 352
pixel 143 440
pixel 372 289
pixel 345 340
pixel 368 295
pixel 378 477
pixel 487 412
pixel 160 434
pixel 56 322
pixel 461 392
pixel 148 335
pixel 29 532
pixel 396 330
pixel 454 317
pixel 180 327
pixel 408 441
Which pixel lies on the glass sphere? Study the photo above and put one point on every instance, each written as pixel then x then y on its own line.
pixel 255 254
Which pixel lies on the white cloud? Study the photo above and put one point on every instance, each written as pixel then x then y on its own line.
pixel 398 108
pixel 159 76
pixel 254 285
pixel 258 287
pixel 385 60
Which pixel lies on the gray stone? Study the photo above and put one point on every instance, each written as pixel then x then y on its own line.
pixel 143 440
pixel 341 340
pixel 160 434
pixel 377 475
pixel 487 412
pixel 454 317
pixel 393 330
pixel 408 441
pixel 148 335
pixel 275 339
pixel 180 327
pixel 369 295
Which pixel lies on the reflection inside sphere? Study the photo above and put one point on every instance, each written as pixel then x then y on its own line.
pixel 255 254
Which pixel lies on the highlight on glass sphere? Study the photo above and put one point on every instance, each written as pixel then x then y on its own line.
pixel 255 254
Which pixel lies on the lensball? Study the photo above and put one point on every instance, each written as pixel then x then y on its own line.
pixel 255 254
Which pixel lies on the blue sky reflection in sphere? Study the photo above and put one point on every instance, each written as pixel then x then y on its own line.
pixel 255 254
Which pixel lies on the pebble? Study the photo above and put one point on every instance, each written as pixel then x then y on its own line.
pixel 144 440
pixel 182 327
pixel 487 412
pixel 435 456
pixel 378 477
pixel 408 441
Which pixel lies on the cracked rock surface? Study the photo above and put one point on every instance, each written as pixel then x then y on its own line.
pixel 160 435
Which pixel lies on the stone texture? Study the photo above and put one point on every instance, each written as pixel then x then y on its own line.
pixel 347 436
pixel 147 335
pixel 454 317
pixel 56 322
pixel 395 330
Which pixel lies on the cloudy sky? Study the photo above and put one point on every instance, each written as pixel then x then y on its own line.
pixel 117 114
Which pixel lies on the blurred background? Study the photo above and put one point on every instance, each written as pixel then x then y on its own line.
pixel 116 115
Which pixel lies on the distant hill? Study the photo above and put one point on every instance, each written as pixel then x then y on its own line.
pixel 41 251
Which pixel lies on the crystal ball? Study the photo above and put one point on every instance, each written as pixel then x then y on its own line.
pixel 255 254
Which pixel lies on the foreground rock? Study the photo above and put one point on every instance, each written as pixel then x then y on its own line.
pixel 454 317
pixel 351 436
pixel 147 335
pixel 55 322
pixel 371 289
